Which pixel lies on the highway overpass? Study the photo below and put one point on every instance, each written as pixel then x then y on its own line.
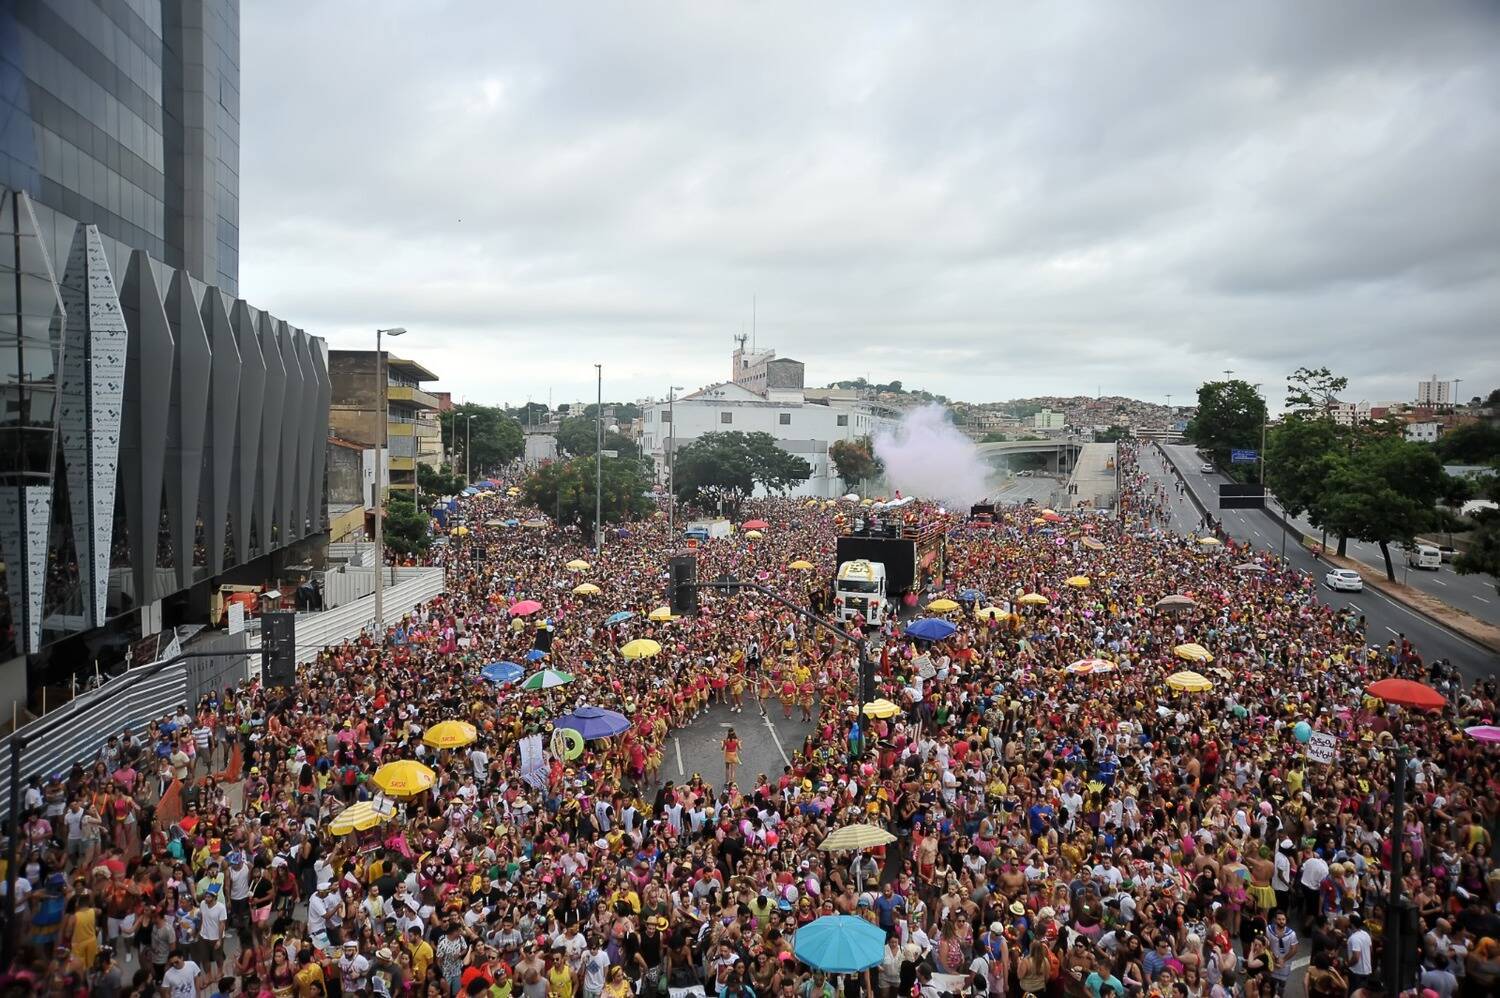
pixel 1061 453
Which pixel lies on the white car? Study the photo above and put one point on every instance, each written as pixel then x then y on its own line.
pixel 1344 580
pixel 1206 468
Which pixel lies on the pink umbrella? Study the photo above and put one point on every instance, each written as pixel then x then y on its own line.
pixel 1488 733
pixel 525 608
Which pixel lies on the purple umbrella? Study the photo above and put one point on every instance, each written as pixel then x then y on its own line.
pixel 593 722
pixel 1488 733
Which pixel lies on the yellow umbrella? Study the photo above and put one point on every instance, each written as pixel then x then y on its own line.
pixel 512 491
pixel 1037 521
pixel 1209 542
pixel 641 648
pixel 586 589
pixel 943 605
pixel 813 504
pixel 404 778
pixel 1093 544
pixel 577 565
pixel 881 708
pixel 450 734
pixel 754 535
pixel 1047 510
pixel 1189 682
pixel 1079 582
pixel 1193 652
pixel 856 837
pixel 867 502
pixel 1033 599
pixel 801 565
pixel 992 613
pixel 359 817
pixel 661 613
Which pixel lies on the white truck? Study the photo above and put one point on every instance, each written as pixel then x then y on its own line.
pixel 703 530
pixel 859 589
pixel 1424 556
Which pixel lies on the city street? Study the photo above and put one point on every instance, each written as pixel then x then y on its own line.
pixel 767 744
pixel 1385 618
pixel 1473 594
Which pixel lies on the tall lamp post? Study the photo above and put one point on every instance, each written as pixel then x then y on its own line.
pixel 598 459
pixel 468 438
pixel 382 435
pixel 671 463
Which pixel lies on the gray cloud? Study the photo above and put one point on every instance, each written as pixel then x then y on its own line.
pixel 986 201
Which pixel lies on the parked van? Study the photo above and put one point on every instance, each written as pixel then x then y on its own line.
pixel 1424 556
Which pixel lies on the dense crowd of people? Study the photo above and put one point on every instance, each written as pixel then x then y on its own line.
pixel 1058 832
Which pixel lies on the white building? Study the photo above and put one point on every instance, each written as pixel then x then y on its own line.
pixel 1434 392
pixel 801 426
pixel 1424 432
pixel 1048 420
pixel 1349 413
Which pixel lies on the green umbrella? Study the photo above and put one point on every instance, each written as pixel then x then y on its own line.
pixel 547 679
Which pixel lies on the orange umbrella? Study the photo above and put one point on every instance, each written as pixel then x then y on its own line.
pixel 1407 693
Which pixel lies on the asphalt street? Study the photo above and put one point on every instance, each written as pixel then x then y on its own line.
pixel 1385 619
pixel 767 744
pixel 1473 594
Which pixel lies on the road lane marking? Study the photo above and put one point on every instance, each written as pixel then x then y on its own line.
pixel 776 738
pixel 1355 607
pixel 677 745
pixel 1479 597
pixel 1394 631
pixel 1440 582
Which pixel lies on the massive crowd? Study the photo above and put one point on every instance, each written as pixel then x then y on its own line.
pixel 1058 833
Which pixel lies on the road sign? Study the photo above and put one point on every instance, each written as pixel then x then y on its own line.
pixel 1244 456
pixel 1233 495
pixel 1322 747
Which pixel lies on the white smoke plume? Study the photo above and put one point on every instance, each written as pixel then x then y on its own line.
pixel 928 457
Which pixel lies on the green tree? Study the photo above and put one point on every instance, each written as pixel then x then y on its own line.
pixel 496 438
pixel 566 490
pixel 439 481
pixel 854 460
pixel 1482 556
pixel 1230 415
pixel 1383 491
pixel 732 464
pixel 1299 452
pixel 577 435
pixel 406 527
pixel 993 438
pixel 1311 392
pixel 1472 443
pixel 1112 435
pixel 530 414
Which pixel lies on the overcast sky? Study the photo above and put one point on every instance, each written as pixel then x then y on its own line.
pixel 984 200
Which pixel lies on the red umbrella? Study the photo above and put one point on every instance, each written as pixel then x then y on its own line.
pixel 756 524
pixel 1407 693
pixel 524 608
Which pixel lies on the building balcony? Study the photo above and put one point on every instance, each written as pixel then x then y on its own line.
pixel 412 396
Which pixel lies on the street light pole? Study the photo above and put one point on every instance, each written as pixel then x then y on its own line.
pixel 468 437
pixel 382 436
pixel 671 464
pixel 598 459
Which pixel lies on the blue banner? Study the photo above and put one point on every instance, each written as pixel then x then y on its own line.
pixel 1244 456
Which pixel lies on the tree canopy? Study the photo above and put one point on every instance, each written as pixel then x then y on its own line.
pixel 854 460
pixel 565 490
pixel 577 436
pixel 733 464
pixel 496 437
pixel 1383 491
pixel 1472 443
pixel 1482 556
pixel 406 528
pixel 439 481
pixel 1230 416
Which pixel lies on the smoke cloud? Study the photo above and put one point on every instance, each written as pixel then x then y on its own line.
pixel 927 456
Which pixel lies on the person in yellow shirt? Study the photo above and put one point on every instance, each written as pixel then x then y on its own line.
pixel 420 951
pixel 310 979
pixel 559 978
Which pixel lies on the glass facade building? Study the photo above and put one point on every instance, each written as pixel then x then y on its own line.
pixel 124 114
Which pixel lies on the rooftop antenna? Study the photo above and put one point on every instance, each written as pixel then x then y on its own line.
pixel 752 323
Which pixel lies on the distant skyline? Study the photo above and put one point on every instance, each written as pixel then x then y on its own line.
pixel 984 202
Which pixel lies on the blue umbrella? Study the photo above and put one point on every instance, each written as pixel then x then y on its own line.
pixel 535 655
pixel 930 629
pixel 593 722
pixel 512 522
pixel 839 944
pixel 502 672
pixel 970 596
pixel 618 618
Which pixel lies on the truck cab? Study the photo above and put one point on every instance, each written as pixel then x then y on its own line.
pixel 860 589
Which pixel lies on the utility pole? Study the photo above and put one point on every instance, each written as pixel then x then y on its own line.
pixel 598 460
pixel 671 463
pixel 382 435
pixel 468 438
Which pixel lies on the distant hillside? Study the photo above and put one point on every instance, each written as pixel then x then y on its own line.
pixel 892 388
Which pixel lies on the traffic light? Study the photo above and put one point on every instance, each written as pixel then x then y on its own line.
pixel 278 649
pixel 682 591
